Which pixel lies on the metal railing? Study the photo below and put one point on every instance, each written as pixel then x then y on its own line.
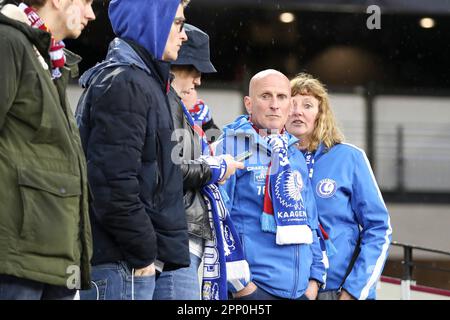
pixel 409 265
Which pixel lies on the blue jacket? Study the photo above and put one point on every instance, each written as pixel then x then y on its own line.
pixel 283 271
pixel 350 206
pixel 137 211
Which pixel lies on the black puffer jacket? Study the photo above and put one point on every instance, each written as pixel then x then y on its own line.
pixel 195 173
pixel 137 211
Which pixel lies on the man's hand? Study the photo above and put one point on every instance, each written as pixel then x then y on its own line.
pixel 232 166
pixel 147 271
pixel 312 290
pixel 345 296
pixel 248 290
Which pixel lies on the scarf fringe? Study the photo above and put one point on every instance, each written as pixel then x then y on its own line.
pixel 294 234
pixel 268 223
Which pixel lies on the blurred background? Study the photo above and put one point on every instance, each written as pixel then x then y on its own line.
pixel 390 89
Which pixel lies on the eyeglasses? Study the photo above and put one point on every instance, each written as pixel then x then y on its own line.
pixel 179 22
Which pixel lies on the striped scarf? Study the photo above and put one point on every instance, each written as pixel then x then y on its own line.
pixel 200 112
pixel 224 265
pixel 56 52
pixel 206 148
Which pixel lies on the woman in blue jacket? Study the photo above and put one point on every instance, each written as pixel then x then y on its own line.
pixel 350 206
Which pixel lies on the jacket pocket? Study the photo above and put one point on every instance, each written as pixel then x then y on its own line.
pixel 51 213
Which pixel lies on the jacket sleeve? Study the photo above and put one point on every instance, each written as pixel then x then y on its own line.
pixel 9 77
pixel 318 269
pixel 211 130
pixel 376 232
pixel 114 151
pixel 230 184
pixel 196 174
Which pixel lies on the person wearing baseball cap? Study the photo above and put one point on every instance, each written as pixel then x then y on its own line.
pixel 198 167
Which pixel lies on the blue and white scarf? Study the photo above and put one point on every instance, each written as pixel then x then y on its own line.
pixel 198 129
pixel 223 258
pixel 284 210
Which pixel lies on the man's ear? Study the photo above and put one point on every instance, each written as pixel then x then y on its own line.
pixel 248 104
pixel 57 4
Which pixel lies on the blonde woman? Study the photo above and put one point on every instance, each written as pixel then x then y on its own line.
pixel 351 208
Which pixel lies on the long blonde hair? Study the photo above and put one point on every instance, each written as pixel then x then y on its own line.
pixel 326 129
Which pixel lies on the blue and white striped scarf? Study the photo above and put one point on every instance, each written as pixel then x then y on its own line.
pixel 223 258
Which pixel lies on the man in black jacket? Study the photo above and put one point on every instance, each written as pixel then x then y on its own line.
pixel 137 211
pixel 198 171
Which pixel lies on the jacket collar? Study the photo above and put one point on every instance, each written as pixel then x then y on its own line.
pixel 125 52
pixel 39 38
pixel 159 68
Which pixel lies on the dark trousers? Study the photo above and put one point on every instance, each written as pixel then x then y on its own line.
pixel 13 288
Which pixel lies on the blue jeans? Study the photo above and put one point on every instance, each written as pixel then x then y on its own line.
pixel 181 284
pixel 114 281
pixel 12 288
pixel 260 294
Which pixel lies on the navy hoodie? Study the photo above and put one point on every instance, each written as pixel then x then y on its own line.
pixel 136 210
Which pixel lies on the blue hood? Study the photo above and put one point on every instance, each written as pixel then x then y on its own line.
pixel 146 22
pixel 120 53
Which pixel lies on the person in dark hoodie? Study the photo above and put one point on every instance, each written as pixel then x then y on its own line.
pixel 137 213
pixel 198 170
pixel 45 237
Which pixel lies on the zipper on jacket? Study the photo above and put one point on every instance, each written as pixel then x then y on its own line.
pixel 158 179
pixel 297 269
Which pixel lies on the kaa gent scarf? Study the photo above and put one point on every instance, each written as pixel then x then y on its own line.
pixel 223 257
pixel 284 210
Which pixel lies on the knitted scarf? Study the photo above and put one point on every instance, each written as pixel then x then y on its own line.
pixel 56 52
pixel 206 148
pixel 200 112
pixel 284 211
pixel 223 257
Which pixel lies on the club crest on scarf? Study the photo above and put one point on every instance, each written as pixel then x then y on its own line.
pixel 210 291
pixel 284 210
pixel 288 189
pixel 229 244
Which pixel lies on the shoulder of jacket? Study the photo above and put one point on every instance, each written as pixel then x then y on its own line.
pixel 13 36
pixel 350 148
pixel 123 75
